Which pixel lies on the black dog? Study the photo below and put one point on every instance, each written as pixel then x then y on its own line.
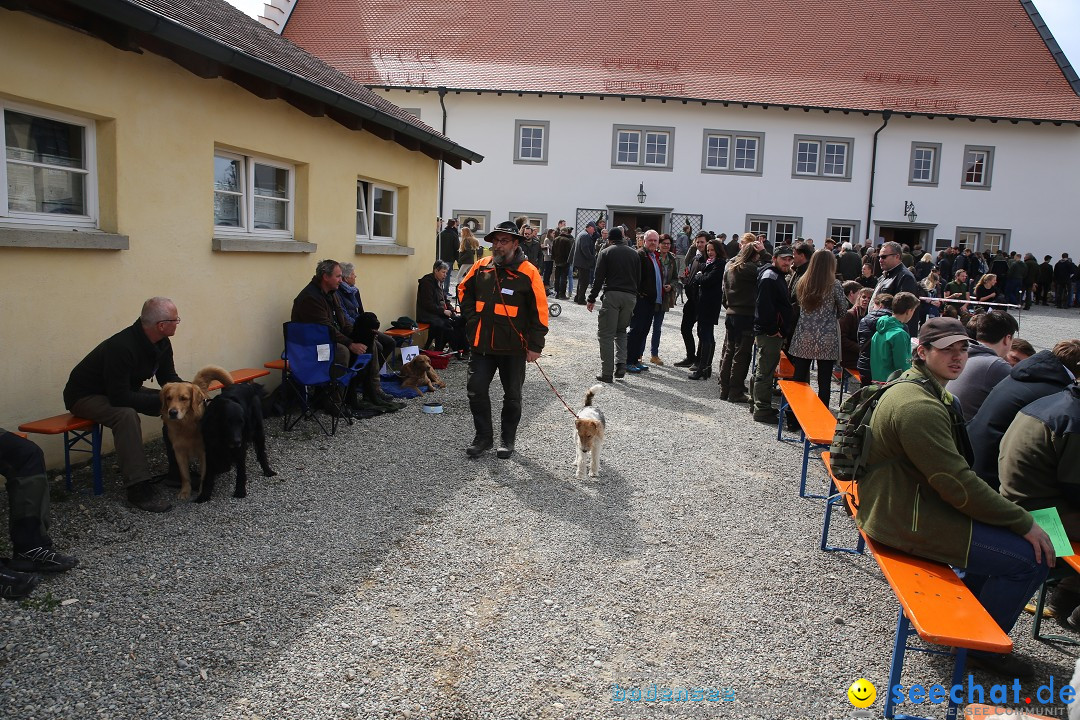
pixel 232 421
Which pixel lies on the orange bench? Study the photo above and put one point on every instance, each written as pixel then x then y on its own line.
pixel 403 334
pixel 818 424
pixel 841 375
pixel 1073 561
pixel 934 603
pixel 78 431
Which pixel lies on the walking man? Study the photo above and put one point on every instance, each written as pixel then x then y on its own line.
pixel 504 303
pixel 618 272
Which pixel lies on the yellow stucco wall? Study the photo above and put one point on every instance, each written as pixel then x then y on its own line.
pixel 158 126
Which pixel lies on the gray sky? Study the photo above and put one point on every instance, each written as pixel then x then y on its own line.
pixel 1061 16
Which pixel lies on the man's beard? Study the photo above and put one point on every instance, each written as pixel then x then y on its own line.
pixel 503 255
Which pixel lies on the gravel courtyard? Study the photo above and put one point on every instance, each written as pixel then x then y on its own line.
pixel 382 574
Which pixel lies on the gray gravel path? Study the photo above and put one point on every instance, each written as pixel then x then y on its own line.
pixel 376 578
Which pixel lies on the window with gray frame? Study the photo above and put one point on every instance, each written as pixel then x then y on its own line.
pixel 983 239
pixel 822 158
pixel 732 151
pixel 924 165
pixel 978 167
pixel 777 229
pixel 531 138
pixel 479 221
pixel 642 147
pixel 538 221
pixel 843 231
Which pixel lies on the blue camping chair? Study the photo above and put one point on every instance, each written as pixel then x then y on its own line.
pixel 310 367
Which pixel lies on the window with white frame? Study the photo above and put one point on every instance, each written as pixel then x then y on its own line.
pixel 822 158
pixel 642 147
pixel 978 167
pixel 376 212
pixel 983 239
pixel 777 229
pixel 842 232
pixel 728 151
pixel 49 175
pixel 531 141
pixel 925 160
pixel 253 196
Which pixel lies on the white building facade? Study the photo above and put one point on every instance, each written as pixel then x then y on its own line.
pixel 788 173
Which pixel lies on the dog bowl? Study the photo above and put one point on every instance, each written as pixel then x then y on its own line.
pixel 433 408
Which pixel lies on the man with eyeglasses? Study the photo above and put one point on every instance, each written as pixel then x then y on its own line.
pixel 107 387
pixel 896 278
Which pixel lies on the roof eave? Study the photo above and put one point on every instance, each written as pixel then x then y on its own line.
pixel 168 31
pixel 744 103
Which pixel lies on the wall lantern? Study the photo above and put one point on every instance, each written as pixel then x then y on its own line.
pixel 641 193
pixel 909 210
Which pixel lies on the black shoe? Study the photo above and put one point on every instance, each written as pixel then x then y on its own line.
pixel 479 447
pixel 620 370
pixel 41 559
pixel 1062 602
pixel 505 450
pixel 1004 665
pixel 740 398
pixel 724 394
pixel 685 362
pixel 605 378
pixel 769 417
pixel 142 497
pixel 15 585
pixel 384 397
pixel 700 374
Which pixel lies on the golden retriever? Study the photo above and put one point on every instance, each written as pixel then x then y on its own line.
pixel 182 407
pixel 418 372
pixel 590 435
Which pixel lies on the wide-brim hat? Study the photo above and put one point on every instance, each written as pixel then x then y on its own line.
pixel 505 228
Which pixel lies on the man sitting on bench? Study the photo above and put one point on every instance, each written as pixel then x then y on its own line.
pixel 319 303
pixel 107 387
pixel 23 466
pixel 919 494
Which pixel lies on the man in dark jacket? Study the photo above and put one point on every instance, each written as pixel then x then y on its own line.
pixel 1063 272
pixel 1044 373
pixel 560 257
pixel 504 303
pixel 773 322
pixel 1014 279
pixel 449 244
pixel 584 261
pixel 849 264
pixel 1031 276
pixel 432 308
pixel 650 295
pixel 896 278
pixel 1044 281
pixel 945 264
pixel 618 276
pixel 106 387
pixel 319 303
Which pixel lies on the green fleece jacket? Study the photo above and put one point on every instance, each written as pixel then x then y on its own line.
pixel 920 494
pixel 890 348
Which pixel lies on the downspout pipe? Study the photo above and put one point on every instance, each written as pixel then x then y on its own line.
pixel 442 165
pixel 885 115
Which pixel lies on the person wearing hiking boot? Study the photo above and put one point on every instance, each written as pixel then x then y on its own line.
pixel 740 292
pixel 618 273
pixel 774 320
pixel 23 467
pixel 107 387
pixel 504 304
pixel 920 495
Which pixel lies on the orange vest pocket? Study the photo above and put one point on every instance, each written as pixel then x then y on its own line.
pixel 507 310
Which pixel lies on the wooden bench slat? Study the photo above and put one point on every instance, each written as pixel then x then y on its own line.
pixel 814 418
pixel 936 602
pixel 57 424
pixel 784 368
pixel 408 332
pixel 242 375
pixel 278 364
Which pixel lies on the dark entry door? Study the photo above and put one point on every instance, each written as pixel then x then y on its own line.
pixel 639 221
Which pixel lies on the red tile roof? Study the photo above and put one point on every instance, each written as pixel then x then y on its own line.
pixel 957 57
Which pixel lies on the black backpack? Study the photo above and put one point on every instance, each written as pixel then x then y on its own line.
pixel 849 453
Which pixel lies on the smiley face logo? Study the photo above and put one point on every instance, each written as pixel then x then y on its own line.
pixel 862 693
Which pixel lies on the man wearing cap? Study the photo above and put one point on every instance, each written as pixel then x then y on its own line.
pixel 504 304
pixel 774 320
pixel 585 260
pixel 618 274
pixel 921 496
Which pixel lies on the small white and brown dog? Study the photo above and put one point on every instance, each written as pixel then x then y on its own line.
pixel 590 435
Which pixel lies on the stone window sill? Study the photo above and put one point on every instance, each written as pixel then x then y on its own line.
pixel 230 244
pixel 62 239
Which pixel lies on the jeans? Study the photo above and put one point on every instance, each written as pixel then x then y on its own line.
pixel 584 279
pixel 767 351
pixel 612 320
pixel 446 284
pixel 512 376
pixel 548 265
pixel 640 322
pixel 560 281
pixel 657 327
pixel 1002 572
pixel 1012 290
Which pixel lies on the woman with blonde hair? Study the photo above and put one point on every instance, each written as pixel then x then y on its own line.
pixel 817 334
pixel 466 253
